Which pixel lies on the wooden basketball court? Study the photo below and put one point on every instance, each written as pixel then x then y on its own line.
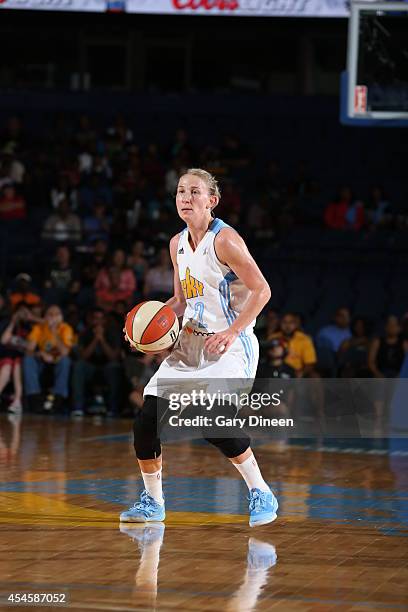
pixel 340 541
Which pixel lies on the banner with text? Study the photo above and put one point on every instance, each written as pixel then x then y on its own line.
pixel 242 8
pixel 216 8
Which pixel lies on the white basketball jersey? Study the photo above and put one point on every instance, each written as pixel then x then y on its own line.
pixel 215 296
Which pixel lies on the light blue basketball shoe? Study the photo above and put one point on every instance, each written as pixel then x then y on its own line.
pixel 144 511
pixel 263 507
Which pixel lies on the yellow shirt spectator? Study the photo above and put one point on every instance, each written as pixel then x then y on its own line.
pixel 45 338
pixel 301 351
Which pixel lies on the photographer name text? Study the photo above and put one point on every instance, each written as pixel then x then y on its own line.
pixel 222 421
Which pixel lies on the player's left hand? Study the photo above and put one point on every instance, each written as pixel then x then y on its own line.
pixel 220 342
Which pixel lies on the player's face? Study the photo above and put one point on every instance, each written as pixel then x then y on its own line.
pixel 193 200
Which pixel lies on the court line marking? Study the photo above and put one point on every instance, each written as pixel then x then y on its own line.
pixel 48 510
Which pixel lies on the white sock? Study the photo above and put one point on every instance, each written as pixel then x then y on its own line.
pixel 251 473
pixel 153 485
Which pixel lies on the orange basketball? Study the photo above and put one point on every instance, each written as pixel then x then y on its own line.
pixel 151 327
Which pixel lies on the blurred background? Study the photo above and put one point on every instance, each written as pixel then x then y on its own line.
pixel 101 110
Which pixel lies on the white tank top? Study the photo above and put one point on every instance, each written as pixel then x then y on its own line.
pixel 215 296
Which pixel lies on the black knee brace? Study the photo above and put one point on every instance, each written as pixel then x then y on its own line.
pixel 231 447
pixel 146 439
pixel 238 442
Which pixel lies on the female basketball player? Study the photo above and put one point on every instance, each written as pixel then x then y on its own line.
pixel 219 290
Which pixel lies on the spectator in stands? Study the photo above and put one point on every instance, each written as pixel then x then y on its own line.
pixel 171 178
pixel 23 291
pixel 14 134
pixel 138 263
pixel 94 189
pixel 97 225
pixel 160 279
pixel 63 189
pixel 385 357
pixel 62 278
pixel 274 368
pixel 92 163
pixel 159 202
pixel 102 167
pixel 301 351
pixel 353 352
pixel 13 343
pixel 49 343
pixel 269 326
pixel 93 264
pixel 99 257
pixel 62 225
pixel 85 162
pixel 15 168
pixel 120 135
pixel 99 351
pixel 272 323
pixel 386 353
pixel 73 318
pixel 336 211
pixel 12 205
pixel 331 336
pixel 379 211
pixel 274 365
pixel 118 315
pixel 116 283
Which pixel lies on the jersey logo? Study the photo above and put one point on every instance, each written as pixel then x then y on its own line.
pixel 205 252
pixel 181 251
pixel 191 286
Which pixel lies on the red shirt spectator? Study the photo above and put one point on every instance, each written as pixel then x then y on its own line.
pixel 116 283
pixel 12 205
pixel 335 215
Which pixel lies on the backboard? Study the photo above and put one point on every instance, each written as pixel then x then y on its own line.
pixel 374 88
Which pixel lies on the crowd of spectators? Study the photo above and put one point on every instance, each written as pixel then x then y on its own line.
pixel 58 358
pixel 94 183
pixel 107 212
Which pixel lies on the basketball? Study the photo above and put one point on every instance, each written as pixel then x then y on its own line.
pixel 151 327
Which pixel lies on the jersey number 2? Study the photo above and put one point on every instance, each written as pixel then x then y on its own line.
pixel 199 314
